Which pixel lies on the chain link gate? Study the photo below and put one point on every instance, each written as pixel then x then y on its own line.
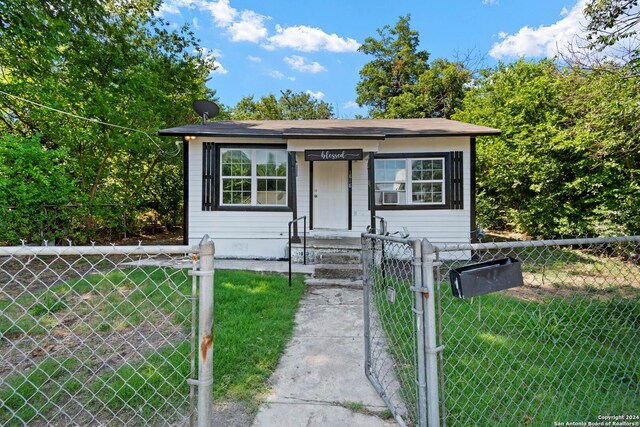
pixel 399 321
pixel 100 335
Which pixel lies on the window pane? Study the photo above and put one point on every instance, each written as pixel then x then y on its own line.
pixel 427 192
pixel 272 191
pixel 236 191
pixel 390 170
pixel 269 177
pixel 271 162
pixel 236 163
pixel 426 170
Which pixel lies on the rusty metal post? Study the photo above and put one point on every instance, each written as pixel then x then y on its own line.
pixel 205 334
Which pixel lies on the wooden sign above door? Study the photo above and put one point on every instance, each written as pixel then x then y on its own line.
pixel 329 155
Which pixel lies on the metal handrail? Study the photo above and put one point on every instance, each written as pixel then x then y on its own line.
pixel 383 226
pixel 304 239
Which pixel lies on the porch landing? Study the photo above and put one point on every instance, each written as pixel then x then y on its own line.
pixel 317 246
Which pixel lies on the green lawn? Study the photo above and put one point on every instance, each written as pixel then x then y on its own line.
pixel 566 348
pixel 254 318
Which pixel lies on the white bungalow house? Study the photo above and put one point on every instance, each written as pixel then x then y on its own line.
pixel 245 180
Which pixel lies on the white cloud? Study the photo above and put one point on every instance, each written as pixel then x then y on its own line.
pixel 299 63
pixel 168 9
pixel 544 40
pixel 219 68
pixel 317 95
pixel 254 58
pixel 172 7
pixel 308 39
pixel 276 75
pixel 221 11
pixel 211 56
pixel 349 105
pixel 490 2
pixel 195 23
pixel 250 28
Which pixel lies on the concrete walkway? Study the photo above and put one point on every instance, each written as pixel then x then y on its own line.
pixel 320 380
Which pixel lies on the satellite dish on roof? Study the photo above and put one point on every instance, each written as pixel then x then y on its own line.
pixel 206 109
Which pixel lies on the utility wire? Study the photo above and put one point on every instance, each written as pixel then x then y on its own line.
pixel 94 121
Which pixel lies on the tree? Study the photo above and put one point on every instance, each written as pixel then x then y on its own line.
pixel 290 106
pixel 567 162
pixel 400 83
pixel 521 173
pixel 438 92
pixel 396 66
pixel 110 61
pixel 612 21
pixel 32 180
pixel 604 127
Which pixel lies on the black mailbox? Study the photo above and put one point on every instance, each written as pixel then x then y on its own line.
pixel 485 277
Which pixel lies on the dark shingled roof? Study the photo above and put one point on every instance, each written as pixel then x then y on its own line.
pixel 335 129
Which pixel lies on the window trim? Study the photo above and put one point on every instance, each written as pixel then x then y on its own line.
pixel 448 188
pixel 245 208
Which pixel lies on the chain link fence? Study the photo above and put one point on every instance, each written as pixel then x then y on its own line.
pixel 395 349
pixel 562 348
pixel 96 335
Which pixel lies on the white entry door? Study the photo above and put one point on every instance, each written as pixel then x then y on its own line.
pixel 331 195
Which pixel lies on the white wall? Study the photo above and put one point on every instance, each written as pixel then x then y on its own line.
pixel 438 225
pixel 235 234
pixel 265 234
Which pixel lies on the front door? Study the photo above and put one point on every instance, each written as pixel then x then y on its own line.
pixel 331 195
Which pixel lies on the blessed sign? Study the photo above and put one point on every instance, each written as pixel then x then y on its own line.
pixel 324 155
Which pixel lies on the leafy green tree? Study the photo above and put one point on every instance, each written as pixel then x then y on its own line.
pixel 604 113
pixel 400 83
pixel 610 22
pixel 438 93
pixel 567 162
pixel 113 62
pixel 33 181
pixel 396 66
pixel 289 106
pixel 521 173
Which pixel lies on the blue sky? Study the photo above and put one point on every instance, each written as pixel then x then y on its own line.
pixel 264 47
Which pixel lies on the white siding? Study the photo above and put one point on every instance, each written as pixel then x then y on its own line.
pixel 235 234
pixel 264 234
pixel 360 184
pixel 438 225
pixel 302 187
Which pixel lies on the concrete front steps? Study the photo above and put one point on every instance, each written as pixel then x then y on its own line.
pixel 337 268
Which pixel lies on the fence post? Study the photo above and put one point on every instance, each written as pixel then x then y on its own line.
pixel 429 327
pixel 205 334
pixel 417 287
pixel 366 301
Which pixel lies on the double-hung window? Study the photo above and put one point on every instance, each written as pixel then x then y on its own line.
pixel 253 177
pixel 419 181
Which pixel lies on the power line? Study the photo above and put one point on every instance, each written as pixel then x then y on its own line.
pixel 93 121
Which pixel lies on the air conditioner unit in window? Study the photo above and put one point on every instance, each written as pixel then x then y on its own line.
pixel 389 197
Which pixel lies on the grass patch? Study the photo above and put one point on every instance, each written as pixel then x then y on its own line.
pixel 514 362
pixel 254 318
pixel 566 352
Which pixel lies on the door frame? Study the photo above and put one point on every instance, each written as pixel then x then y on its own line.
pixel 349 197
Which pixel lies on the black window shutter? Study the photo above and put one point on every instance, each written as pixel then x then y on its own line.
pixel 208 167
pixel 457 181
